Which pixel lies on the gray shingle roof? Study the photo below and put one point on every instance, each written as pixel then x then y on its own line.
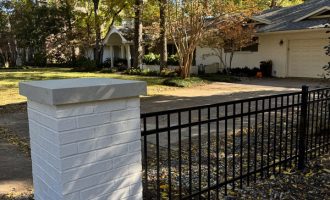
pixel 282 19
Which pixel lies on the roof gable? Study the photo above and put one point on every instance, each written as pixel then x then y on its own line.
pixel 315 13
pixel 295 17
pixel 261 20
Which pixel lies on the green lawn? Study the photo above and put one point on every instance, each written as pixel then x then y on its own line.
pixel 9 80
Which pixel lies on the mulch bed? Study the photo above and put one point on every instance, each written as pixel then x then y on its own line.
pixel 312 183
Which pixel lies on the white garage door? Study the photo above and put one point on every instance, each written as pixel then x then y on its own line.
pixel 307 57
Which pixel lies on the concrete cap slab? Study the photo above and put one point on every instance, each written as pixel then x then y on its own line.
pixel 67 91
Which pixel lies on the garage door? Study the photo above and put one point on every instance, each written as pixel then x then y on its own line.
pixel 307 57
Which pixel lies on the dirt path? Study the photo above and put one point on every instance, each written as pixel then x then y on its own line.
pixel 16 170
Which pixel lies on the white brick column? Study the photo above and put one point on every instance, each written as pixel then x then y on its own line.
pixel 85 138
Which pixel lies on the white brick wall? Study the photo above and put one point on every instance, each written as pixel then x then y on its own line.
pixel 87 150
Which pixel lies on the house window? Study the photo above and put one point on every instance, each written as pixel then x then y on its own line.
pixel 253 47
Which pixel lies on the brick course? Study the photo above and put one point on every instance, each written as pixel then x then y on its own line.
pixel 86 150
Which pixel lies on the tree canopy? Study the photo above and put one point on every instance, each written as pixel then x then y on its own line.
pixel 38 33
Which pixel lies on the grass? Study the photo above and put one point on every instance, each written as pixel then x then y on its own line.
pixel 10 78
pixel 178 82
pixel 199 80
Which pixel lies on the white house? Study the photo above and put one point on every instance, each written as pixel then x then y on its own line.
pixel 116 45
pixel 293 38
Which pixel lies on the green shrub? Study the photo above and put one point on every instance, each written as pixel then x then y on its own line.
pixel 220 78
pixel 83 62
pixel 173 60
pixel 141 72
pixel 85 69
pixel 39 59
pixel 133 71
pixel 106 63
pixel 188 82
pixel 121 63
pixel 151 59
pixel 109 70
pixel 166 72
pixel 13 68
pixel 241 72
pixel 147 72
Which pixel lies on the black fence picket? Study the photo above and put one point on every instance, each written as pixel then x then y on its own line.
pixel 206 151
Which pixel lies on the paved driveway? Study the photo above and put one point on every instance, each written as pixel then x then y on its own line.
pixel 170 99
pixel 222 92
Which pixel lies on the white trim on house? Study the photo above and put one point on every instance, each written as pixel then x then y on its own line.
pixel 293 31
pixel 119 48
pixel 114 30
pixel 316 12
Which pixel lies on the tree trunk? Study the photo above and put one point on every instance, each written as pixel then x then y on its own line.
pixel 273 3
pixel 23 56
pixel 219 53
pixel 138 48
pixel 97 47
pixel 186 64
pixel 68 10
pixel 231 58
pixel 71 37
pixel 163 34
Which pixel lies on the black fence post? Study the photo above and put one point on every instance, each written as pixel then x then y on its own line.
pixel 303 128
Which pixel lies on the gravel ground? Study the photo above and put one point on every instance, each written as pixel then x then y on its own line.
pixel 312 183
pixel 242 156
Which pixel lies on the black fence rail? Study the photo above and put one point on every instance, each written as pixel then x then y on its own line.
pixel 206 151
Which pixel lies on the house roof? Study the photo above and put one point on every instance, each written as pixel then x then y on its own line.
pixel 126 34
pixel 294 17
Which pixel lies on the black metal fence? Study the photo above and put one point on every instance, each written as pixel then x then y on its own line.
pixel 204 152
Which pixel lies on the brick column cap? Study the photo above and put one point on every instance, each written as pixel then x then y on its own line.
pixel 69 91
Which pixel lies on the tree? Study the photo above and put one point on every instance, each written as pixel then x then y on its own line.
pixel 96 18
pixel 52 31
pixel 189 21
pixel 186 22
pixel 282 3
pixel 68 11
pixel 327 52
pixel 230 35
pixel 97 28
pixel 8 48
pixel 273 3
pixel 138 28
pixel 152 25
pixel 32 25
pixel 163 33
